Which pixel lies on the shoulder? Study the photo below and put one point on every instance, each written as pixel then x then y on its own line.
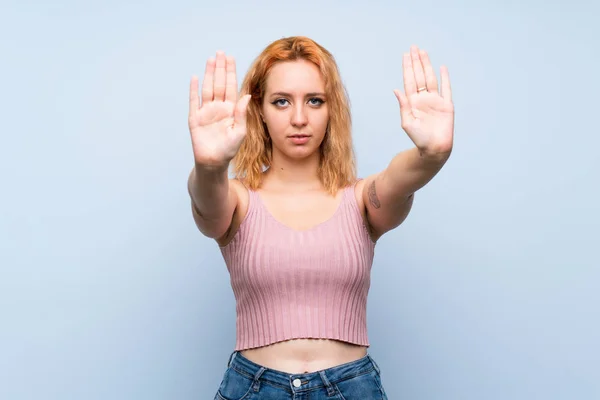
pixel 242 201
pixel 358 189
pixel 240 189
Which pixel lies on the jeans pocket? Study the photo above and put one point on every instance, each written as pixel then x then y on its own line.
pixel 235 385
pixel 365 386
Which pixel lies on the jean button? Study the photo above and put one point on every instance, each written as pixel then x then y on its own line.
pixel 297 383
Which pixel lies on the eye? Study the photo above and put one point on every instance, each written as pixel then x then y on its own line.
pixel 314 101
pixel 279 103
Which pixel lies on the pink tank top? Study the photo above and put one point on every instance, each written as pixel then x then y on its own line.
pixel 292 284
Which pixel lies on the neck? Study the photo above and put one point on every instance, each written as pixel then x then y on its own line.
pixel 302 174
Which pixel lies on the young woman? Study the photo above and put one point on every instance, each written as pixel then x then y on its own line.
pixel 296 228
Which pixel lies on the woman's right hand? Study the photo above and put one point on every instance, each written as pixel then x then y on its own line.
pixel 217 124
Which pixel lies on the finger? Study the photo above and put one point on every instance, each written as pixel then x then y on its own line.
pixel 207 83
pixel 418 68
pixel 241 109
pixel 410 87
pixel 405 110
pixel 231 89
pixel 194 100
pixel 445 83
pixel 220 77
pixel 430 78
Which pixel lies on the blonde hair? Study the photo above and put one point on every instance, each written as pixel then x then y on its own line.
pixel 337 168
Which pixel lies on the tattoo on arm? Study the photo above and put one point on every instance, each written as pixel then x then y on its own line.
pixel 373 195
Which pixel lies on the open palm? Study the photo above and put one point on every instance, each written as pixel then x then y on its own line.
pixel 218 124
pixel 427 112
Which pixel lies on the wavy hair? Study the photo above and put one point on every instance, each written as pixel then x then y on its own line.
pixel 337 167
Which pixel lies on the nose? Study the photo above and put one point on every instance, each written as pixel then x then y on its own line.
pixel 299 117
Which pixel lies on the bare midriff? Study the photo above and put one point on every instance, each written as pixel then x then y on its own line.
pixel 300 356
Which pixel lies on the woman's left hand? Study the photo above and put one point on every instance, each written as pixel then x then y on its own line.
pixel 427 112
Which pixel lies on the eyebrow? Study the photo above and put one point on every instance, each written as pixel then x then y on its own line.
pixel 285 94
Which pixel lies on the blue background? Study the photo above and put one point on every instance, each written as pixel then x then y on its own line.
pixel 489 290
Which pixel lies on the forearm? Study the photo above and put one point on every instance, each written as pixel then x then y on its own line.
pixel 209 190
pixel 408 172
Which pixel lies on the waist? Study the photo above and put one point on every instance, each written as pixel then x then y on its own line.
pixel 305 355
pixel 302 381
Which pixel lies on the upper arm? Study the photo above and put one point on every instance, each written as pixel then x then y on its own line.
pixel 219 227
pixel 382 214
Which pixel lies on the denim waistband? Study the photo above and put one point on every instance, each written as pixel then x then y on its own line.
pixel 296 383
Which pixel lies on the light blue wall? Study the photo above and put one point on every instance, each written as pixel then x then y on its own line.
pixel 490 290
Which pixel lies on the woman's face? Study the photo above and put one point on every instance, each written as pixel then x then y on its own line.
pixel 295 108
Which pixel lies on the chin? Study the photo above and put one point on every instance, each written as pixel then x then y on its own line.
pixel 301 152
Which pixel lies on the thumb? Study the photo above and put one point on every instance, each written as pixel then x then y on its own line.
pixel 405 111
pixel 241 108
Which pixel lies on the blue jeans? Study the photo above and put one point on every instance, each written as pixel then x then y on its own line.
pixel 246 380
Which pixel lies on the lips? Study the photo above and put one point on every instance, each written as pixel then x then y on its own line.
pixel 299 138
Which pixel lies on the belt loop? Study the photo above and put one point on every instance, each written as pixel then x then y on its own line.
pixel 330 389
pixel 374 365
pixel 231 358
pixel 256 384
